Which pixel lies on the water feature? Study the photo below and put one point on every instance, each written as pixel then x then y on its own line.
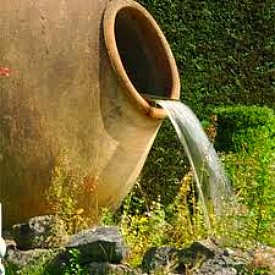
pixel 68 104
pixel 208 172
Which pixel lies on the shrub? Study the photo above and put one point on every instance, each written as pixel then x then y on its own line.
pixel 65 191
pixel 164 168
pixel 223 57
pixel 247 136
pixel 225 50
pixel 243 127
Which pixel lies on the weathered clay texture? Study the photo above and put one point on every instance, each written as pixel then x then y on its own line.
pixel 77 71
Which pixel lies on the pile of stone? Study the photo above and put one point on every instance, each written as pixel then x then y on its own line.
pixel 101 250
pixel 200 258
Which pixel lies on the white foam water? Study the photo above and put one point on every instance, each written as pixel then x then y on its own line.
pixel 208 172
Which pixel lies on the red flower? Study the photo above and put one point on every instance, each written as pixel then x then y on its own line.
pixel 4 71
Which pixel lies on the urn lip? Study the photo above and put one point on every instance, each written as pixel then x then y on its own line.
pixel 156 48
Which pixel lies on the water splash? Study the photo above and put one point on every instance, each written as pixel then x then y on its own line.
pixel 208 172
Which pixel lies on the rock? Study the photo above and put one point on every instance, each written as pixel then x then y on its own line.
pixel 157 257
pixel 59 263
pixel 2 269
pixel 198 251
pixel 228 252
pixel 217 271
pixel 221 264
pixel 2 248
pixel 234 262
pixel 21 258
pixel 207 248
pixel 107 268
pixel 101 244
pixel 38 232
pixel 200 258
pixel 214 266
pixel 179 260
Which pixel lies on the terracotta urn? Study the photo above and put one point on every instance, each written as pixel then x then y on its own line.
pixel 80 73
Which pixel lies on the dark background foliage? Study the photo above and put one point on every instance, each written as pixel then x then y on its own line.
pixel 225 52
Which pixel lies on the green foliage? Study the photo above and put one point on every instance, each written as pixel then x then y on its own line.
pixel 247 135
pixel 145 223
pixel 74 268
pixel 240 116
pixel 225 50
pixel 142 229
pixel 164 168
pixel 151 223
pixel 37 267
pixel 261 271
pixel 249 132
pixel 243 127
pixel 64 193
pixel 42 266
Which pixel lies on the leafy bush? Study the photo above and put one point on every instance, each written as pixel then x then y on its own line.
pixel 247 136
pixel 65 191
pixel 155 226
pixel 243 127
pixel 225 50
pixel 164 168
pixel 38 266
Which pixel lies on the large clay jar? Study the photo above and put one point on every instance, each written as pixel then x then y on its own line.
pixel 78 72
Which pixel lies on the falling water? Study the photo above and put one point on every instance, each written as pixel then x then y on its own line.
pixel 208 173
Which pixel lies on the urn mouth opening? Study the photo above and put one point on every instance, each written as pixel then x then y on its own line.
pixel 140 56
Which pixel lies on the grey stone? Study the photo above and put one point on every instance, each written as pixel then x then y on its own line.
pixel 221 265
pixel 178 260
pixel 213 269
pixel 157 257
pixel 2 247
pixel 101 244
pixel 37 233
pixel 107 268
pixel 198 252
pixel 21 258
pixel 228 252
pixel 201 257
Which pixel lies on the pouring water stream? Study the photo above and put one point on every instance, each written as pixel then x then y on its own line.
pixel 208 172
